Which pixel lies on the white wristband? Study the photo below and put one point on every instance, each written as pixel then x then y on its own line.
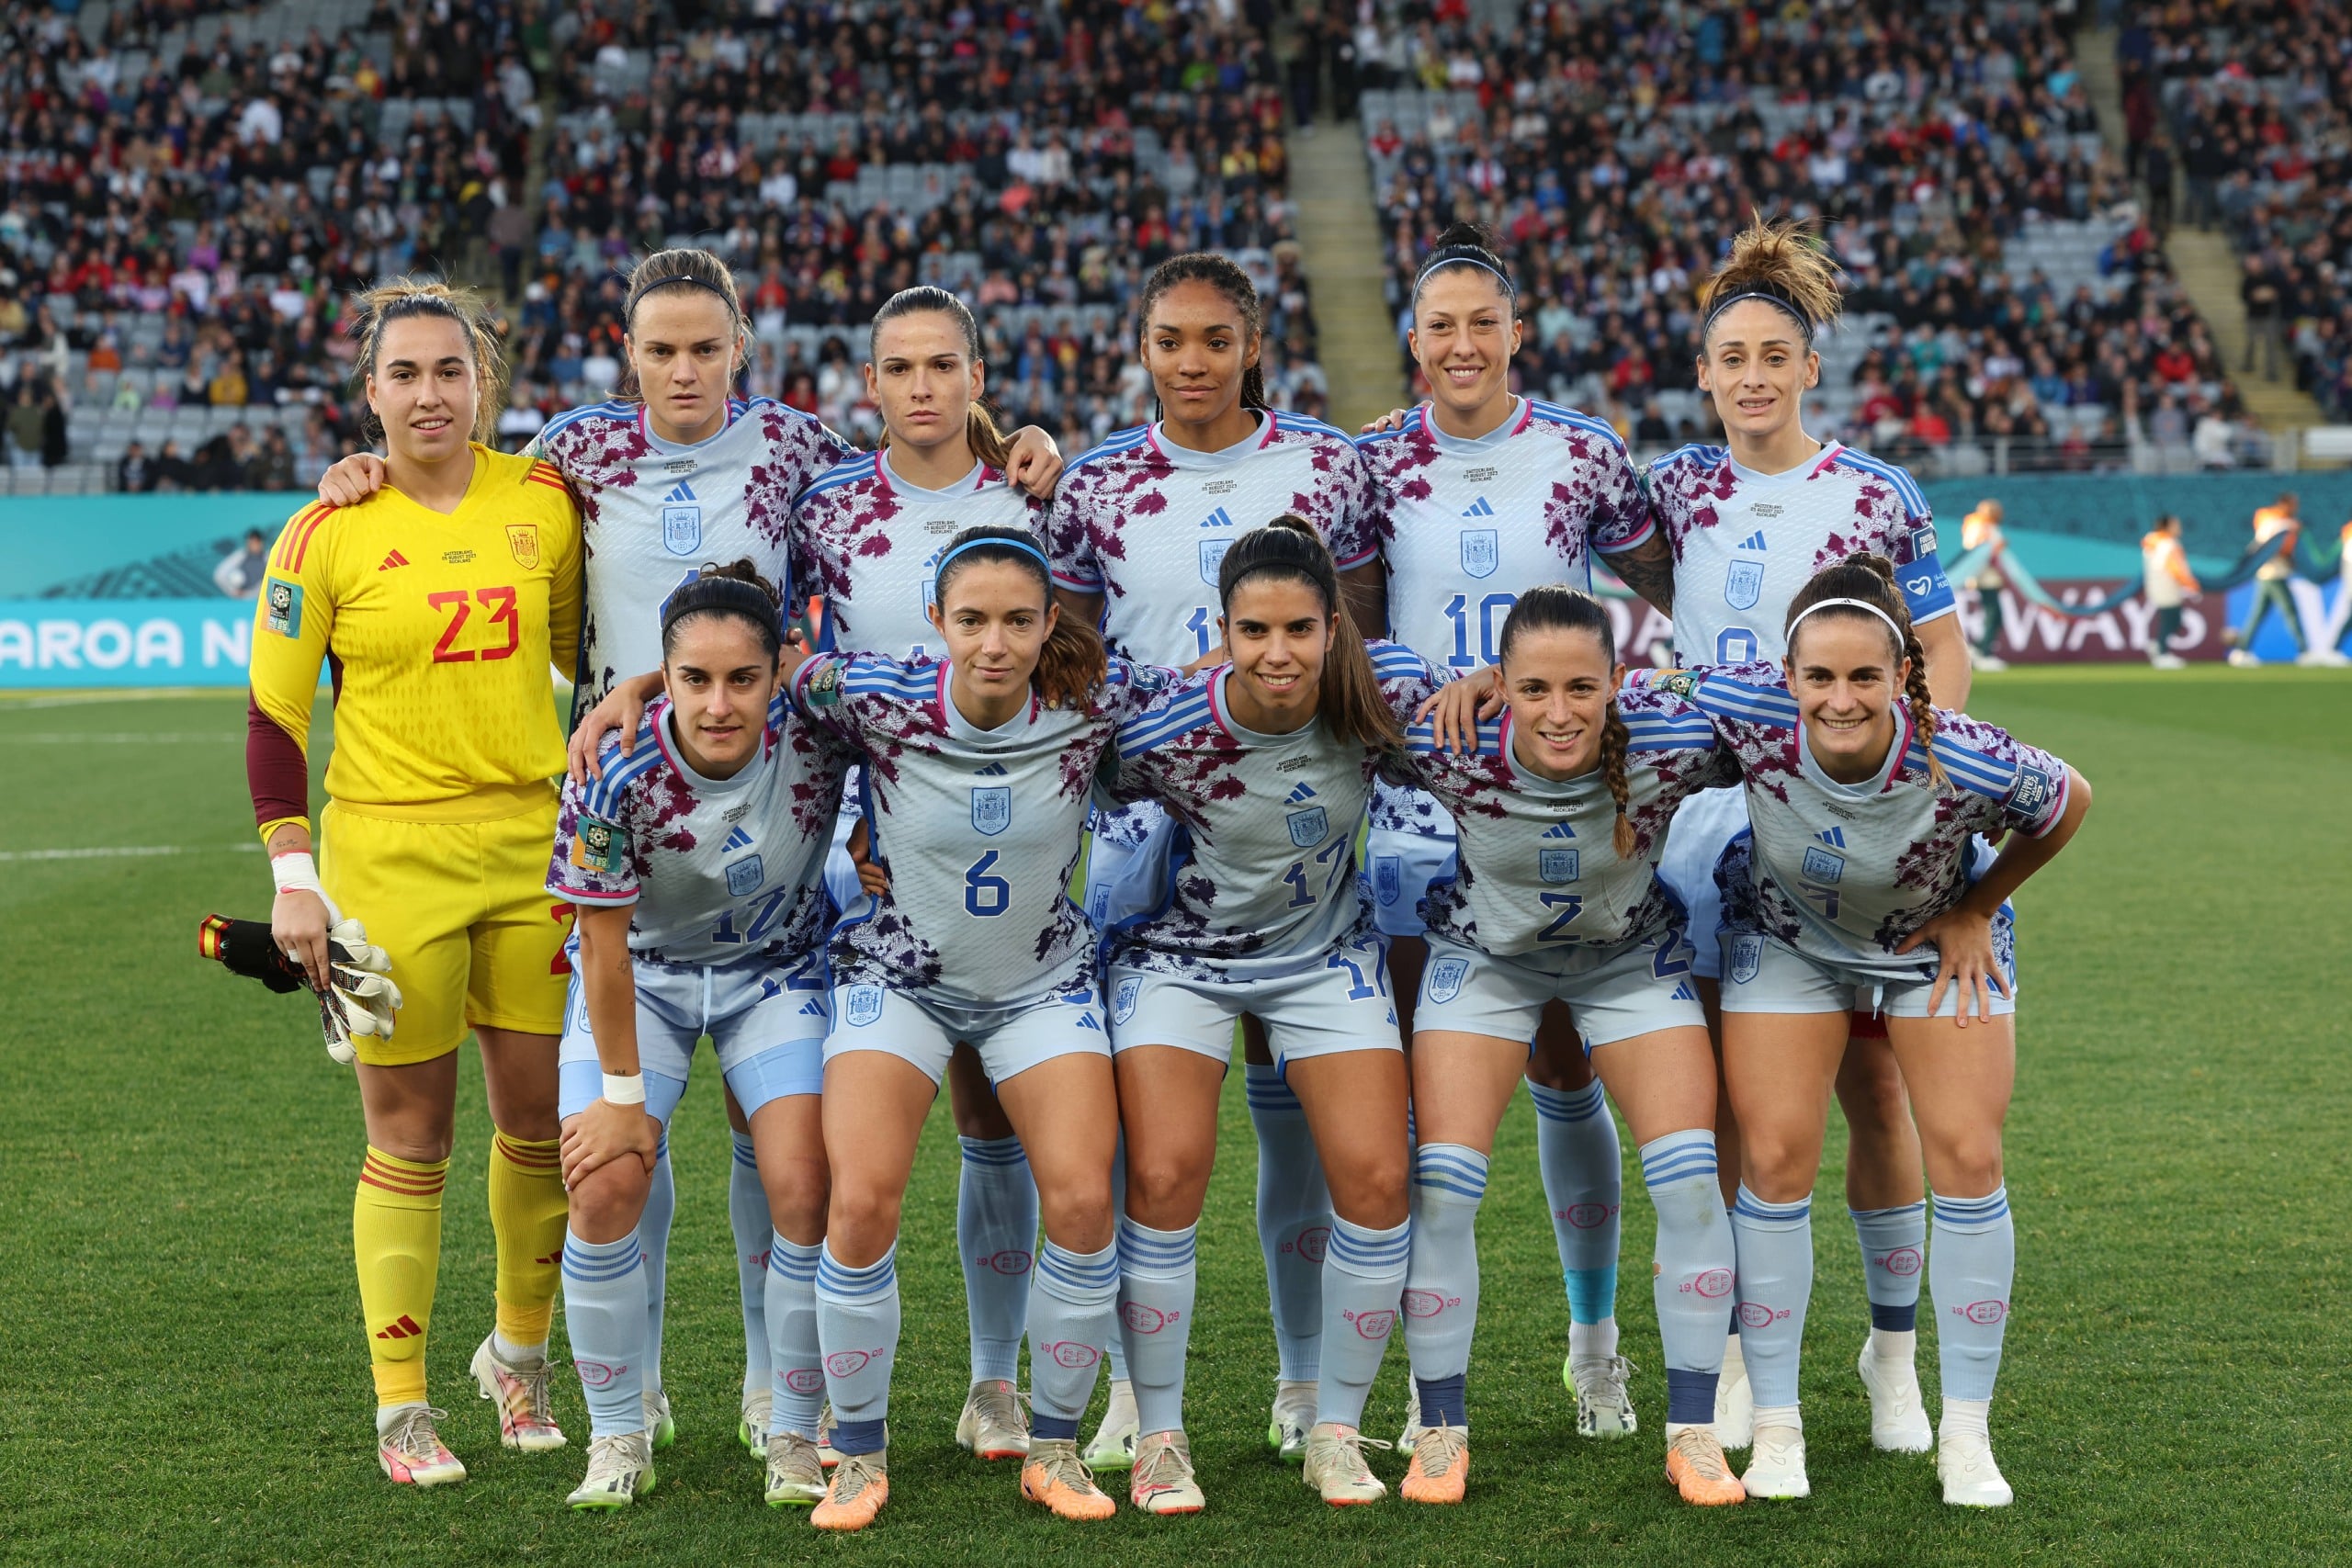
pixel 625 1088
pixel 297 873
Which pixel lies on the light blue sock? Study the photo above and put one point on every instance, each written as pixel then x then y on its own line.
pixel 996 1236
pixel 1971 1267
pixel 1157 1283
pixel 653 1228
pixel 1694 1275
pixel 604 1313
pixel 857 1329
pixel 1294 1220
pixel 1775 1250
pixel 1441 1278
pixel 1072 1317
pixel 1893 1244
pixel 1116 1358
pixel 798 1378
pixel 1576 1143
pixel 747 1215
pixel 1364 1278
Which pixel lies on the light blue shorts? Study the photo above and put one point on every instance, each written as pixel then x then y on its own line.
pixel 766 1023
pixel 1617 994
pixel 1323 1009
pixel 1399 867
pixel 1704 827
pixel 1010 1038
pixel 1125 879
pixel 1762 973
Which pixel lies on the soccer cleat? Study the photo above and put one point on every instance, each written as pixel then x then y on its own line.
pixel 661 1426
pixel 992 1426
pixel 1293 1418
pixel 1112 1447
pixel 1441 1467
pixel 1161 1482
pixel 2240 659
pixel 1776 1468
pixel 859 1487
pixel 525 1418
pixel 412 1452
pixel 1898 1419
pixel 1964 1464
pixel 1696 1464
pixel 796 1477
pixel 1603 1410
pixel 1735 1412
pixel 1335 1465
pixel 1991 663
pixel 826 1455
pixel 752 1430
pixel 1054 1475
pixel 2168 661
pixel 620 1470
pixel 1409 1437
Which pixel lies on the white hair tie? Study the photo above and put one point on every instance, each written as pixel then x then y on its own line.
pixel 1901 640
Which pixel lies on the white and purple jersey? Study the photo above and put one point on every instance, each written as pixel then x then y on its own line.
pixel 717 871
pixel 978 829
pixel 1745 543
pixel 1539 869
pixel 1262 878
pixel 870 543
pixel 653 511
pixel 1146 524
pixel 1844 873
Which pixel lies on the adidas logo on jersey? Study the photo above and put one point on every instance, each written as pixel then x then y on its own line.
pixel 1304 791
pixel 1559 830
pixel 737 839
pixel 993 771
pixel 1220 518
pixel 1478 508
pixel 681 491
pixel 1754 541
pixel 395 558
pixel 1834 837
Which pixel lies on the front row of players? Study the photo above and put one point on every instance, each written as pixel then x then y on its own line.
pixel 695 859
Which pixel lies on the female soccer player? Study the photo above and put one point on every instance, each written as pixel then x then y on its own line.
pixel 979 772
pixel 1137 531
pixel 698 867
pixel 1863 796
pixel 439 602
pixel 1562 808
pixel 1477 493
pixel 1265 764
pixel 672 471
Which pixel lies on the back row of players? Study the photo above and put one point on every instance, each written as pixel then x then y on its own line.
pixel 1519 859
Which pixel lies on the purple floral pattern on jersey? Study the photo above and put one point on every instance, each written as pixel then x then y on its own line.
pixel 1685 486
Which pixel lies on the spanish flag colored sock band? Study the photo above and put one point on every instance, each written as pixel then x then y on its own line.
pixel 527 1209
pixel 396 1236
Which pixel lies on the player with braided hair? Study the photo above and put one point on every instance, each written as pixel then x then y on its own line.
pixel 1561 804
pixel 1863 797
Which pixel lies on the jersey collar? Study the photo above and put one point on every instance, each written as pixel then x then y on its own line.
pixel 1830 453
pixel 887 480
pixel 645 430
pixel 1185 457
pixel 1889 773
pixel 1522 415
pixel 963 728
pixel 1234 728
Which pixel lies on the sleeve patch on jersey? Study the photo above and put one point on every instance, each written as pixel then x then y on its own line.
pixel 597 846
pixel 1923 543
pixel 523 544
pixel 825 687
pixel 2032 793
pixel 285 615
pixel 1682 683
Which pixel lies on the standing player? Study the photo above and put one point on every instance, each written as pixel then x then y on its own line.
pixel 674 472
pixel 438 603
pixel 1863 797
pixel 1750 522
pixel 977 775
pixel 1983 526
pixel 697 869
pixel 1562 808
pixel 1477 493
pixel 1265 764
pixel 1137 533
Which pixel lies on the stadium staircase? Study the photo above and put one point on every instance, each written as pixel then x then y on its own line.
pixel 1339 238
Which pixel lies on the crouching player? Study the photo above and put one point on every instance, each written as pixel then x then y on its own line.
pixel 1861 798
pixel 697 868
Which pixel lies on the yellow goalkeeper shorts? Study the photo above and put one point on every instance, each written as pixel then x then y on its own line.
pixel 463 911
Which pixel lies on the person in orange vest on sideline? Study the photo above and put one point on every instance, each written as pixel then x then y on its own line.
pixel 2270 589
pixel 1983 526
pixel 2170 585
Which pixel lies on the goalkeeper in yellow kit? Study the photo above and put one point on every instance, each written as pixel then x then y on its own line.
pixel 437 604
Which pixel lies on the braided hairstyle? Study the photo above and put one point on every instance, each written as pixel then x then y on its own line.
pixel 1072 663
pixel 1871 579
pixel 402 298
pixel 1222 274
pixel 682 271
pixel 1554 606
pixel 1348 696
pixel 735 590
pixel 980 432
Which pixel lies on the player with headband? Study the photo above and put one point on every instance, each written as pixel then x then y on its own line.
pixel 979 773
pixel 1478 494
pixel 1137 532
pixel 696 864
pixel 1863 795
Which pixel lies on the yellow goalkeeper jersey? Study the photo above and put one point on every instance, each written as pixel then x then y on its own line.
pixel 439 630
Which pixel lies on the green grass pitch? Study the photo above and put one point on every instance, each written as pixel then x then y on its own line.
pixel 183 1379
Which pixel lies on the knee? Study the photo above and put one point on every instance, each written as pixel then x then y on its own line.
pixel 861 1223
pixel 1077 1215
pixel 1369 1189
pixel 1966 1167
pixel 1777 1166
pixel 1161 1190
pixel 797 1198
pixel 607 1202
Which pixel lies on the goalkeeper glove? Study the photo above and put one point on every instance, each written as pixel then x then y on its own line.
pixel 360 998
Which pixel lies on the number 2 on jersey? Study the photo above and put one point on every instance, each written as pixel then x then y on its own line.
pixel 1570 906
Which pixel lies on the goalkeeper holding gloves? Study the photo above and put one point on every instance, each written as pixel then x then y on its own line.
pixel 358 998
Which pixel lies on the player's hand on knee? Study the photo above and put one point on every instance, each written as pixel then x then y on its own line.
pixel 1965 947
pixel 604 1133
pixel 871 877
pixel 359 999
pixel 352 481
pixel 622 706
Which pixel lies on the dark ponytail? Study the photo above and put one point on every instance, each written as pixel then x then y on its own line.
pixel 1072 663
pixel 1871 579
pixel 1225 276
pixel 980 432
pixel 1467 247
pixel 1348 699
pixel 1554 606
pixel 736 591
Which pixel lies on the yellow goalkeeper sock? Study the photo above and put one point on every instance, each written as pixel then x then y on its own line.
pixel 396 1235
pixel 528 1210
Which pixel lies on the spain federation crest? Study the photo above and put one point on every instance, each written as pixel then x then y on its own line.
pixel 1747 958
pixel 1122 1000
pixel 523 544
pixel 1482 551
pixel 865 1005
pixel 1213 559
pixel 681 528
pixel 1445 978
pixel 991 808
pixel 1744 584
pixel 1308 828
pixel 744 876
pixel 1558 865
pixel 1821 866
pixel 1387 878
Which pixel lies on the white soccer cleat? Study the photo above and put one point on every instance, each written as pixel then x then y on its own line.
pixel 1603 1408
pixel 991 1425
pixel 525 1416
pixel 1162 1481
pixel 826 1455
pixel 752 1430
pixel 661 1426
pixel 411 1450
pixel 1293 1418
pixel 1898 1418
pixel 1988 661
pixel 2322 658
pixel 795 1476
pixel 1735 1411
pixel 620 1470
pixel 2166 662
pixel 2240 659
pixel 1409 1437
pixel 1964 1464
pixel 1335 1466
pixel 1776 1470
pixel 1112 1447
